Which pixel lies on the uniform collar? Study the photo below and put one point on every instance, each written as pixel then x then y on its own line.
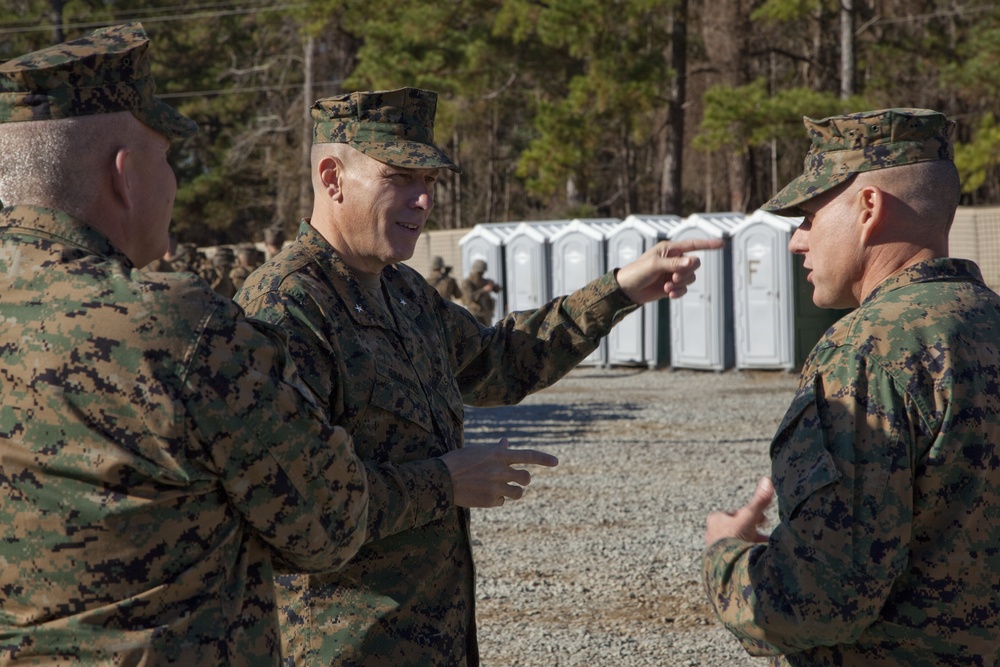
pixel 364 307
pixel 58 226
pixel 941 269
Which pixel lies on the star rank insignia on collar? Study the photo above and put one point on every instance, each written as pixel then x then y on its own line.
pixel 358 308
pixel 402 302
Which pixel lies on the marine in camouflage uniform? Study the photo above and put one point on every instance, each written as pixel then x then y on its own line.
pixel 158 448
pixel 394 363
pixel 478 291
pixel 246 262
pixel 441 280
pixel 885 466
pixel 221 266
pixel 187 258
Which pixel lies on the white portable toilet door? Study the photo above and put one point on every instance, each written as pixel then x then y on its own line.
pixel 524 274
pixel 767 312
pixel 575 263
pixel 625 342
pixel 695 335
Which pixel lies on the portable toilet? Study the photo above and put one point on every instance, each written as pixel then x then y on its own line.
pixel 529 263
pixel 643 337
pixel 776 322
pixel 486 242
pixel 763 295
pixel 701 323
pixel 578 257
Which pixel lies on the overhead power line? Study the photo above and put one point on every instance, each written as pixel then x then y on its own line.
pixel 83 25
pixel 247 89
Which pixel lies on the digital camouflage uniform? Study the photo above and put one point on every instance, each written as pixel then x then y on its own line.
pixel 477 299
pixel 441 280
pixel 885 466
pixel 887 476
pixel 445 285
pixel 158 449
pixel 395 369
pixel 394 363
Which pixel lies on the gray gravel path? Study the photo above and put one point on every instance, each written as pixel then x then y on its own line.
pixel 599 563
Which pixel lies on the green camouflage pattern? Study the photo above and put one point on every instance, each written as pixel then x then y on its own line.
pixel 886 470
pixel 105 72
pixel 394 364
pixel 158 451
pixel 392 126
pixel 846 145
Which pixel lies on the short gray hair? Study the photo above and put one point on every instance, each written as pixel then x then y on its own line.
pixel 53 163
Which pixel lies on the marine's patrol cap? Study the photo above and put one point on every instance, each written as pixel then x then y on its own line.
pixel 846 145
pixel 106 72
pixel 392 126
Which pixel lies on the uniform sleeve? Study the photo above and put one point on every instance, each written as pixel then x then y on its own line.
pixel 530 350
pixel 402 495
pixel 290 474
pixel 841 466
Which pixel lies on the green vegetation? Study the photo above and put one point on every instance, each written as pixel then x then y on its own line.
pixel 552 107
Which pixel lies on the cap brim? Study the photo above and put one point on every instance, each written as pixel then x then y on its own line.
pixel 408 154
pixel 165 119
pixel 800 190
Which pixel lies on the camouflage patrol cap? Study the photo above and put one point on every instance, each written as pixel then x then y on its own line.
pixel 106 72
pixel 846 145
pixel 392 126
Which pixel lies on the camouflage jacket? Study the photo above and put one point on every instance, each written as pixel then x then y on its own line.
pixel 887 475
pixel 157 448
pixel 479 302
pixel 445 285
pixel 395 372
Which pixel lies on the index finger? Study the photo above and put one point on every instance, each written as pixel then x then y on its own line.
pixel 690 245
pixel 531 457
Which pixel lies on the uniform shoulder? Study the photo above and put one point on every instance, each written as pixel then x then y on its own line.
pixel 184 299
pixel 294 268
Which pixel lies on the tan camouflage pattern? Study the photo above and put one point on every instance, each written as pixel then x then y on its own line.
pixel 887 476
pixel 846 145
pixel 477 299
pixel 158 451
pixel 105 72
pixel 392 126
pixel 445 285
pixel 394 367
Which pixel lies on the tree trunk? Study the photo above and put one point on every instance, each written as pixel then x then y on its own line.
pixel 305 183
pixel 846 48
pixel 58 35
pixel 670 184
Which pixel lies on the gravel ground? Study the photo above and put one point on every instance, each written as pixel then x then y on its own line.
pixel 599 563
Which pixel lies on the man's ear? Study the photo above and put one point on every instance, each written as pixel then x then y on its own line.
pixel 331 175
pixel 872 204
pixel 119 178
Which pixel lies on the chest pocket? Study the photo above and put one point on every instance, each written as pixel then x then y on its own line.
pixel 400 395
pixel 415 385
pixel 801 464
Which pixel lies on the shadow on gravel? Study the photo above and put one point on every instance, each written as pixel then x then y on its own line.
pixel 537 424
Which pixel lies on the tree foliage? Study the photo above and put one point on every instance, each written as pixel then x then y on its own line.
pixel 553 107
